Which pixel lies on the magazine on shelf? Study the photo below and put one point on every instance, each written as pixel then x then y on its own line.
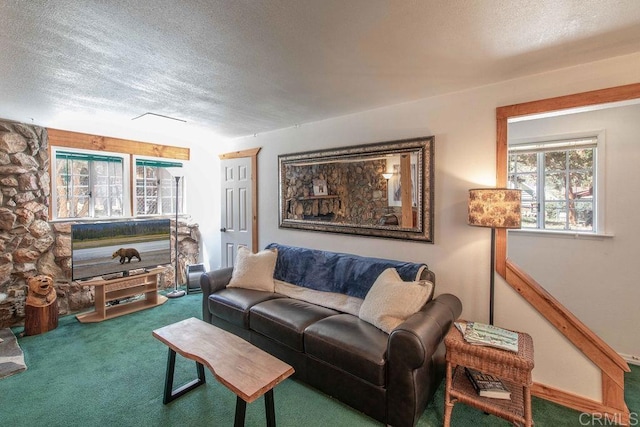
pixel 489 335
pixel 487 385
pixel 462 326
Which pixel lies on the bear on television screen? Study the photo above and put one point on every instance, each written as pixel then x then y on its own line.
pixel 126 254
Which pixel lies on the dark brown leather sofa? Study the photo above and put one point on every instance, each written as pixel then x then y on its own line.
pixel 390 377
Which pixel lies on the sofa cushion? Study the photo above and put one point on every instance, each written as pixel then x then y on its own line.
pixel 254 271
pixel 285 319
pixel 348 274
pixel 350 344
pixel 233 304
pixel 391 301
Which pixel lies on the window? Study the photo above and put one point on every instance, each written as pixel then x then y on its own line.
pixel 558 183
pixel 156 188
pixel 88 185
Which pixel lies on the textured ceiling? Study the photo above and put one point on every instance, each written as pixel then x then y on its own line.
pixel 239 67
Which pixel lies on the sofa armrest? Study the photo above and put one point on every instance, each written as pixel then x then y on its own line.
pixel 211 282
pixel 415 359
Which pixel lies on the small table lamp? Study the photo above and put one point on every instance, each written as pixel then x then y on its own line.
pixel 494 208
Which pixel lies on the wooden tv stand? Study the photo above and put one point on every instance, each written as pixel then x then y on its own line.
pixel 123 287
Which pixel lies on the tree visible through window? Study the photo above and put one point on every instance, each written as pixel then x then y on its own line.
pixel 156 188
pixel 557 180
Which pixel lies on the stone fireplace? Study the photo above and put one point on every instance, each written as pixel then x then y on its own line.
pixel 30 244
pixel 356 192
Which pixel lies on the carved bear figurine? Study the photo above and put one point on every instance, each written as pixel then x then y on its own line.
pixel 41 291
pixel 41 308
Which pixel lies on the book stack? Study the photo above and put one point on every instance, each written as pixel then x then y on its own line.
pixel 482 334
pixel 487 385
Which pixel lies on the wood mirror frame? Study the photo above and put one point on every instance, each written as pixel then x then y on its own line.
pixel 343 190
pixel 611 364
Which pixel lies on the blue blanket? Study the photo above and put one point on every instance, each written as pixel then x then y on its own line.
pixel 348 274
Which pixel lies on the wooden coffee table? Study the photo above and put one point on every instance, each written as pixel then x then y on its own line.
pixel 240 366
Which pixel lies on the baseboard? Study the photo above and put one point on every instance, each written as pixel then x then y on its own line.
pixel 581 403
pixel 630 358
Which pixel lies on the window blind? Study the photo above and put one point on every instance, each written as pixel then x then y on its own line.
pixel 158 163
pixel 63 155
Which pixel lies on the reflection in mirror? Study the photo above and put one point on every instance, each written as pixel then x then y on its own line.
pixel 382 190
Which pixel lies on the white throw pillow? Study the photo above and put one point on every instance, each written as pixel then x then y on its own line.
pixel 391 301
pixel 254 271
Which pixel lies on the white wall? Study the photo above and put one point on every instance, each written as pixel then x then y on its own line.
pixel 203 198
pixel 594 277
pixel 464 127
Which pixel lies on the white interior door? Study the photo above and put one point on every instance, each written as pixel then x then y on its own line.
pixel 237 208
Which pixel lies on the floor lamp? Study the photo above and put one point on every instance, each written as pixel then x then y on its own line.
pixel 176 293
pixel 494 208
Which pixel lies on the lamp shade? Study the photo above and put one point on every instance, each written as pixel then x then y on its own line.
pixel 387 175
pixel 494 207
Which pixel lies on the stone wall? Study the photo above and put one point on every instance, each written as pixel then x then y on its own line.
pixel 366 192
pixel 359 187
pixel 31 245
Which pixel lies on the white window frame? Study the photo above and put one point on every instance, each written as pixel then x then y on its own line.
pixel 126 208
pixel 567 141
pixel 169 186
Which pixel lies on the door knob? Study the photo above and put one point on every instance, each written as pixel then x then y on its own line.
pixel 223 229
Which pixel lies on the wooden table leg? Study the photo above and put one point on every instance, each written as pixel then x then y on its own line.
pixel 448 404
pixel 528 417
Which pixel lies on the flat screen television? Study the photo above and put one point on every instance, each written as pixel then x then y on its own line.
pixel 114 248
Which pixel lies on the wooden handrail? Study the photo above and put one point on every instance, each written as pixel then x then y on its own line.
pixel 611 364
pixel 598 351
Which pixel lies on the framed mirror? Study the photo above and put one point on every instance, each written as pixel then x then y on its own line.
pixel 379 190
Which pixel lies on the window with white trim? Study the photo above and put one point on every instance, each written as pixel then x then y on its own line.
pixel 156 188
pixel 558 183
pixel 88 185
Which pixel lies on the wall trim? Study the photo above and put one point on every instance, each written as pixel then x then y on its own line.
pixel 581 404
pixel 631 358
pixel 253 153
pixel 63 138
pixel 611 364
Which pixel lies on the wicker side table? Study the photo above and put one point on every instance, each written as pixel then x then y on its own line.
pixel 514 369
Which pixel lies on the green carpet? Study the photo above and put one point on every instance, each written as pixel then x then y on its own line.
pixel 112 374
